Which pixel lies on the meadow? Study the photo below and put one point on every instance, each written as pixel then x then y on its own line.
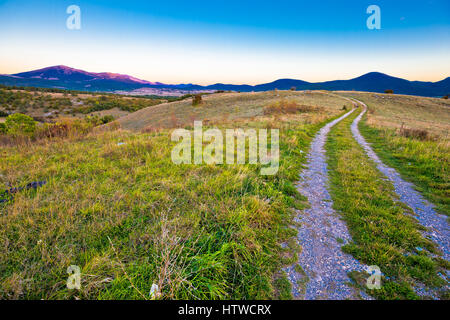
pixel 117 206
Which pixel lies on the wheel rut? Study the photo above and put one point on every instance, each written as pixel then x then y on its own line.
pixel 321 234
pixel 436 224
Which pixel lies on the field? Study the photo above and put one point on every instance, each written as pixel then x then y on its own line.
pixel 46 105
pixel 115 204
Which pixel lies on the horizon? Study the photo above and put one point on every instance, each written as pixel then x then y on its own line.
pixel 130 75
pixel 231 43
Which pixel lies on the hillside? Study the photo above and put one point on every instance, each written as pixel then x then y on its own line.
pixel 74 79
pixel 117 206
pixel 223 107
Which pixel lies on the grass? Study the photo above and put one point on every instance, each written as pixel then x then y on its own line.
pixel 424 163
pixel 48 106
pixel 224 108
pixel 383 234
pixel 410 134
pixel 288 107
pixel 115 205
pixel 412 112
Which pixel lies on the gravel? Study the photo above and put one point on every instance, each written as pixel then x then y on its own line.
pixel 437 227
pixel 321 235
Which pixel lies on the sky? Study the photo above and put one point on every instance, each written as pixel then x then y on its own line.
pixel 243 41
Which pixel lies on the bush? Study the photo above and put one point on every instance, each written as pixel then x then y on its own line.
pixel 445 97
pixel 419 134
pixel 20 125
pixel 2 128
pixel 53 130
pixel 197 99
pixel 293 88
pixel 3 114
pixel 106 119
pixel 288 107
pixel 389 91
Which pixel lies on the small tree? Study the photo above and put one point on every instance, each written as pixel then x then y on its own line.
pixel 389 91
pixel 197 99
pixel 19 124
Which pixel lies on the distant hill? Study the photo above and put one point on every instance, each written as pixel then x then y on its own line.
pixel 69 78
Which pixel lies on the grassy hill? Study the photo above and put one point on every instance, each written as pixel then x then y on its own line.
pixel 118 207
pixel 224 107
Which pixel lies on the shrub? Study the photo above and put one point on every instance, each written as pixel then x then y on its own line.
pixel 106 119
pixel 53 130
pixel 2 128
pixel 419 134
pixel 20 125
pixel 293 88
pixel 389 91
pixel 197 99
pixel 3 114
pixel 445 97
pixel 288 107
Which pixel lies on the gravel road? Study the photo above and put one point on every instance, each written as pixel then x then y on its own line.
pixel 321 234
pixel 437 227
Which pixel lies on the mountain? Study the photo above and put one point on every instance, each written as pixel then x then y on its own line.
pixel 69 78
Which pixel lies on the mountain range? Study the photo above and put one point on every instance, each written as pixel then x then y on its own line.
pixel 64 77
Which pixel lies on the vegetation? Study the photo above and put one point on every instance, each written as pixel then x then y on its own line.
pixel 289 107
pixel 197 99
pixel 411 134
pixel 20 124
pixel 45 105
pixel 389 91
pixel 382 233
pixel 115 205
pixel 423 162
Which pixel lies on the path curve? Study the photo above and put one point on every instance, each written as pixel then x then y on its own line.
pixel 321 234
pixel 437 227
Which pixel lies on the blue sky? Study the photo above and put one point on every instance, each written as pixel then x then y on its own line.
pixel 229 41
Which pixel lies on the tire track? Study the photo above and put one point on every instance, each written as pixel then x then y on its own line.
pixel 321 234
pixel 438 229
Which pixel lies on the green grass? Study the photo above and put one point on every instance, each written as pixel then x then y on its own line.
pixel 382 233
pixel 129 218
pixel 424 163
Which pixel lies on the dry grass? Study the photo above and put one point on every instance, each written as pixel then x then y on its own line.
pixel 224 107
pixel 289 107
pixel 412 112
pixel 115 205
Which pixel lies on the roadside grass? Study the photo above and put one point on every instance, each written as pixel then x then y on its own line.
pixel 115 205
pixel 383 232
pixel 424 163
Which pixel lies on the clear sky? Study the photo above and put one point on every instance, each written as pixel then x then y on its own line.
pixel 232 41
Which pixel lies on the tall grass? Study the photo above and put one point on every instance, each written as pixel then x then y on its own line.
pixel 115 205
